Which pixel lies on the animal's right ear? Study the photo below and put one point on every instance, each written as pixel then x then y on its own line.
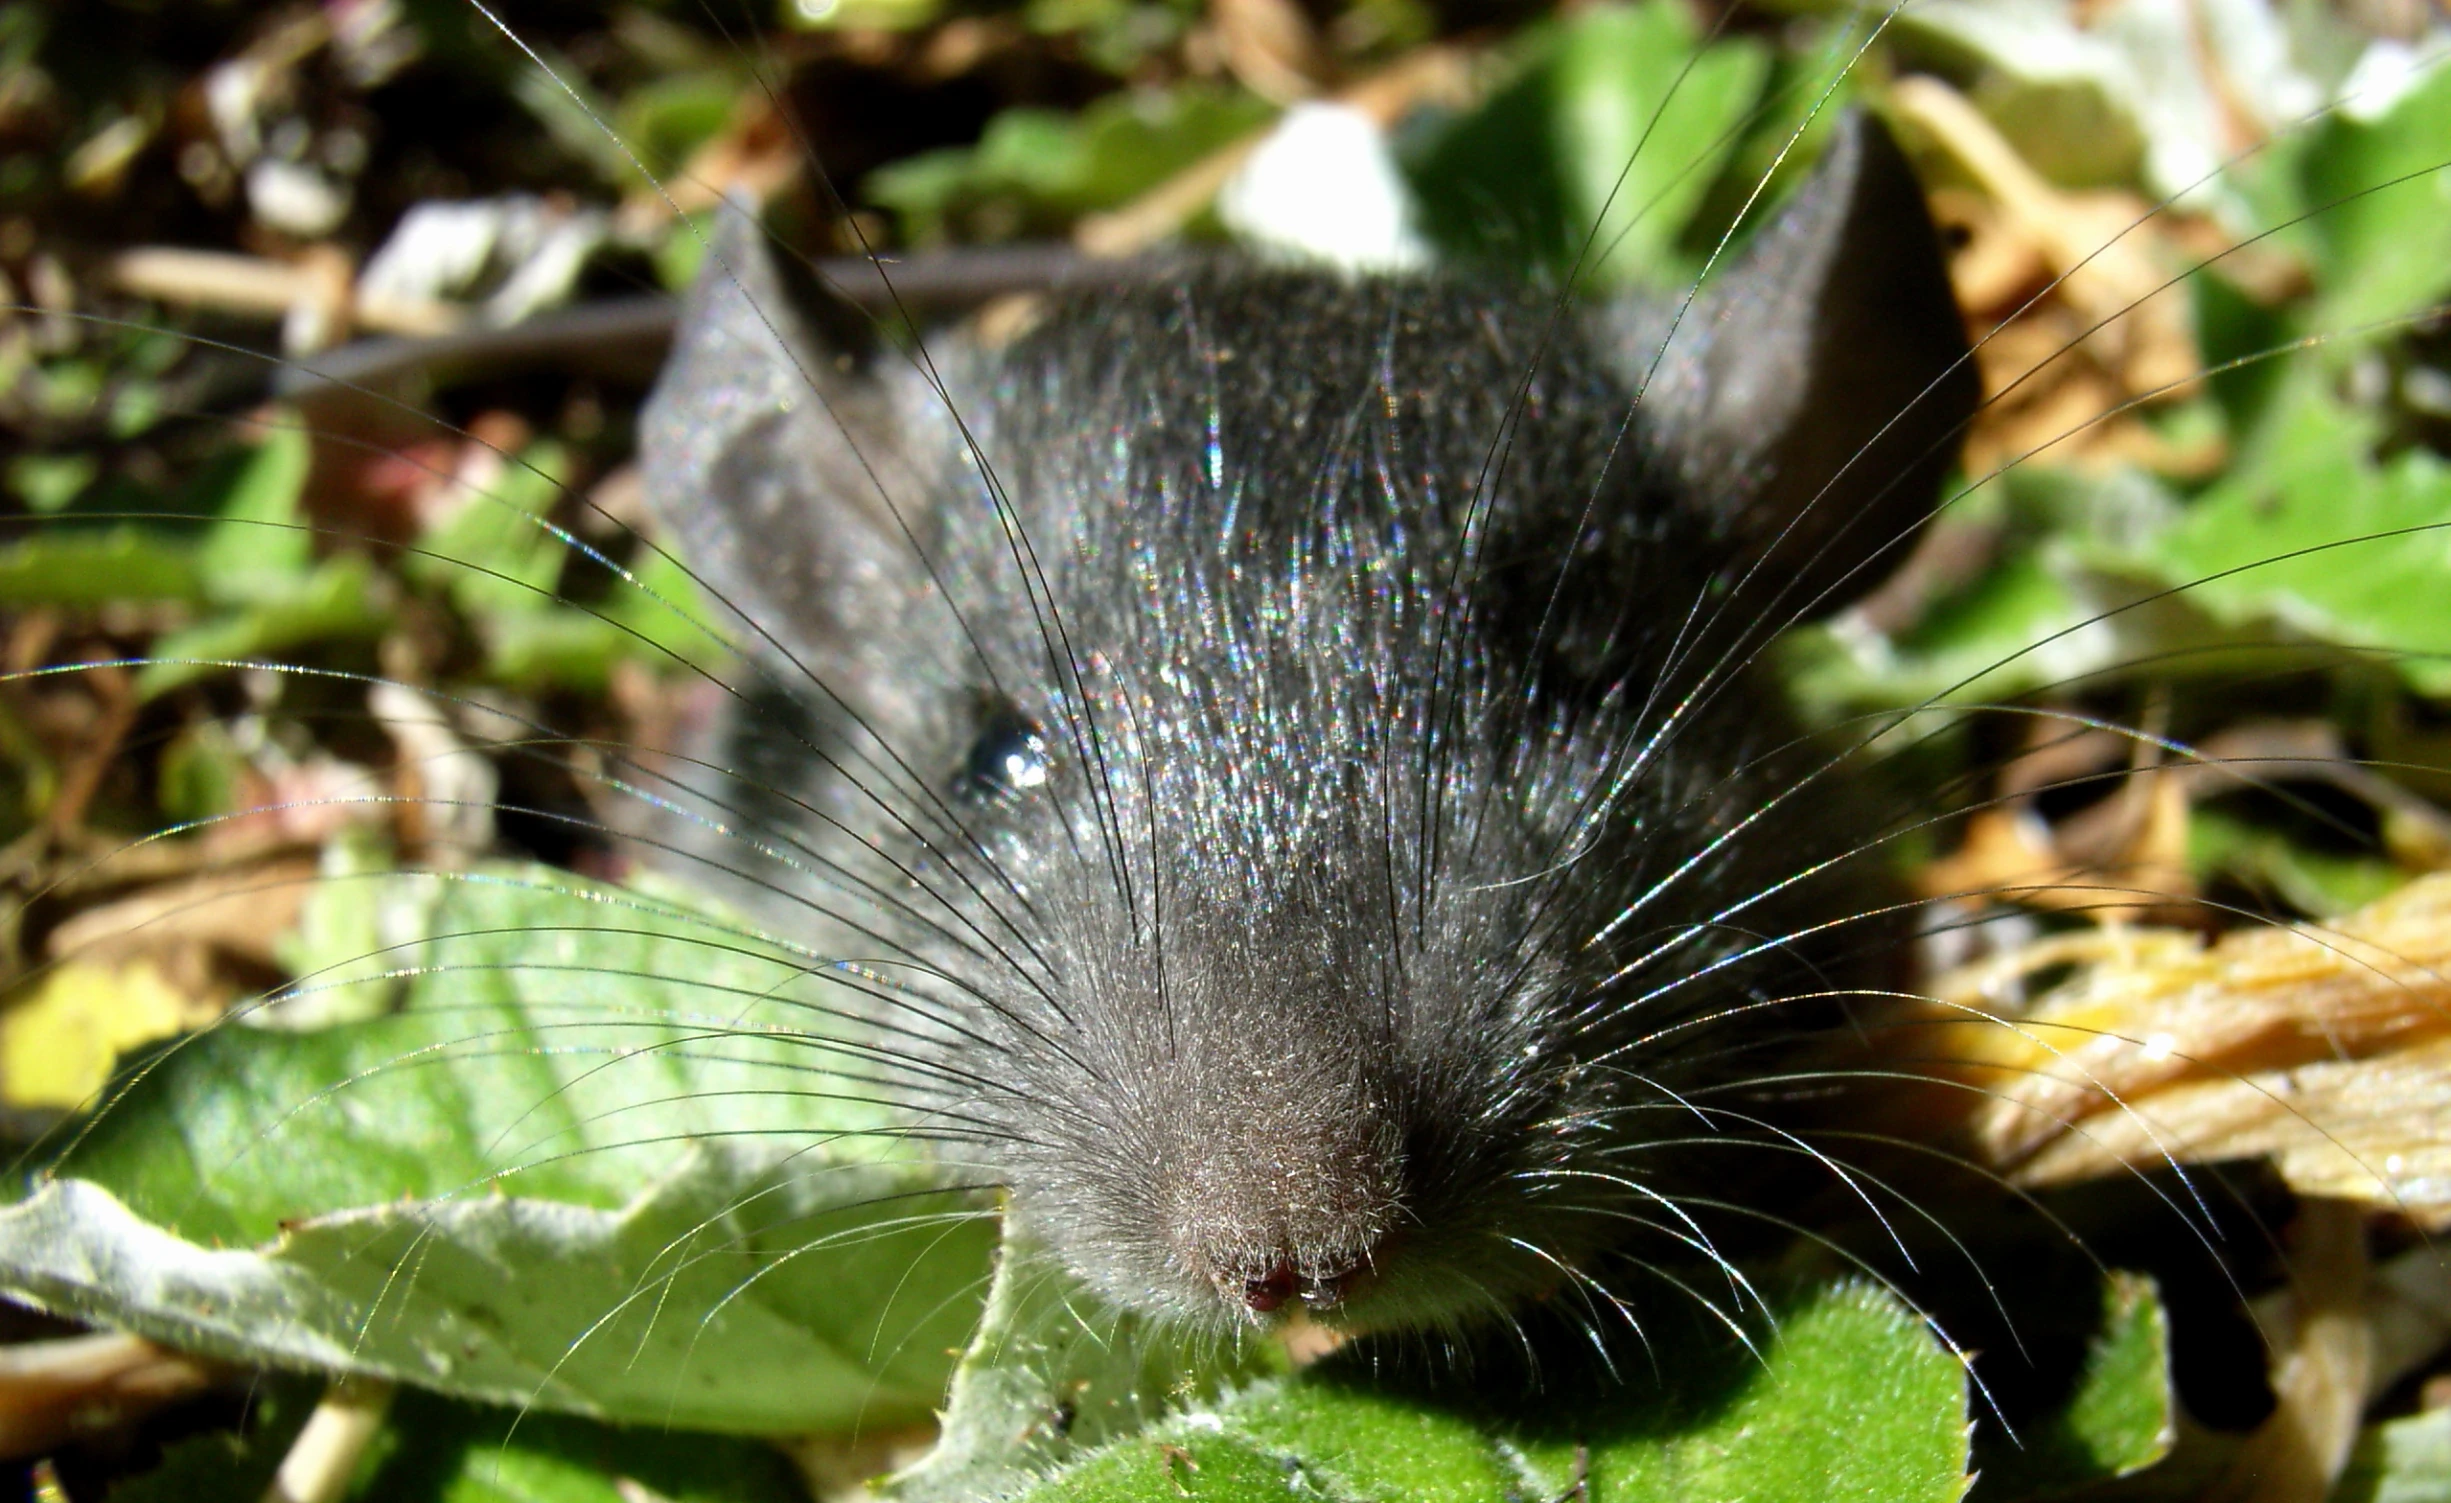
pixel 795 481
pixel 1815 394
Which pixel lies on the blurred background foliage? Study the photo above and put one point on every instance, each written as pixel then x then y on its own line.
pixel 2205 246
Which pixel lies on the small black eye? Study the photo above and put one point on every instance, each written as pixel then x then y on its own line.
pixel 1008 759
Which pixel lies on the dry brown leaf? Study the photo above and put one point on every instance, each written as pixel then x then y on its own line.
pixel 61 1037
pixel 2073 295
pixel 2103 245
pixel 2005 851
pixel 2369 1130
pixel 2325 1047
pixel 2123 859
pixel 1271 47
pixel 2343 1333
pixel 59 1391
pixel 241 911
pixel 1991 266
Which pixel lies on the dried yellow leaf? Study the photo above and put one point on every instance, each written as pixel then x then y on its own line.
pixel 2324 1047
pixel 59 1040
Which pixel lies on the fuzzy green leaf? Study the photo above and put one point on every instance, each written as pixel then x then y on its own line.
pixel 671 1116
pixel 1850 1397
pixel 2120 1418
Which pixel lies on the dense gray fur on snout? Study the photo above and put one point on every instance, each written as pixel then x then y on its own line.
pixel 1411 825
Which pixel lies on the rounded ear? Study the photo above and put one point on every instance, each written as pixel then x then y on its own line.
pixel 794 479
pixel 1815 394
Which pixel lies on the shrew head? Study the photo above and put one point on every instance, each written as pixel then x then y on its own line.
pixel 1266 733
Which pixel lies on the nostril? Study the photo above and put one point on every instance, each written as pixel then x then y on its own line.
pixel 1264 1283
pixel 1326 1290
pixel 1272 1289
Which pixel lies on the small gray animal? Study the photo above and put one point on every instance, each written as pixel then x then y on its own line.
pixel 1281 753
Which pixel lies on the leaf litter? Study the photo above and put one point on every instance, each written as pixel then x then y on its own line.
pixel 2309 1046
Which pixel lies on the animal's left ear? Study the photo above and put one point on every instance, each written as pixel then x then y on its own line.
pixel 1816 392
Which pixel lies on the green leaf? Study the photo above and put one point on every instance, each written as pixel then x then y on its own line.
pixel 1051 1373
pixel 2325 541
pixel 1374 1445
pixel 1850 1397
pixel 1853 1396
pixel 886 15
pixel 2405 1461
pixel 80 566
pixel 662 603
pixel 257 558
pixel 680 250
pixel 47 483
pixel 343 598
pixel 495 554
pixel 436 1451
pixel 2120 1418
pixel 2390 191
pixel 1188 1459
pixel 203 772
pixel 558 95
pixel 668 1114
pixel 1034 171
pixel 350 932
pixel 2322 884
pixel 669 119
pixel 259 547
pixel 2041 613
pixel 1123 36
pixel 1972 646
pixel 560 647
pixel 1618 119
pixel 655 618
pixel 229 1466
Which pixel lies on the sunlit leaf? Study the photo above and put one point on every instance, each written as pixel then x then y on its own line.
pixel 1035 170
pixel 1850 1397
pixel 1613 129
pixel 2390 191
pixel 259 546
pixel 597 1083
pixel 2323 1046
pixel 2405 1461
pixel 1052 1372
pixel 492 553
pixel 60 1036
pixel 2324 540
pixel 2120 1418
